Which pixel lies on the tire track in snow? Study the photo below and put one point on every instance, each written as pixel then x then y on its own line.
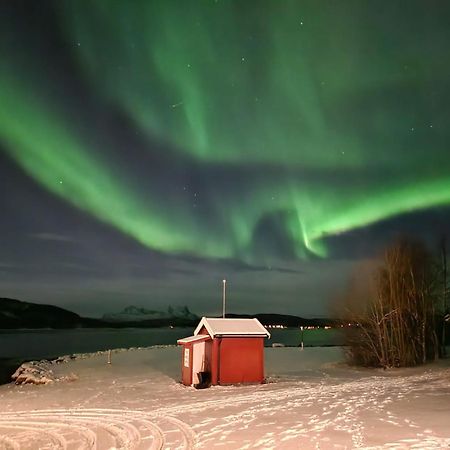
pixel 59 442
pixel 94 429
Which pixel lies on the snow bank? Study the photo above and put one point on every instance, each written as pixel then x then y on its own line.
pixel 312 400
pixel 34 372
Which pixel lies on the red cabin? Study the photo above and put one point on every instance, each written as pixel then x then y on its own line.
pixel 224 351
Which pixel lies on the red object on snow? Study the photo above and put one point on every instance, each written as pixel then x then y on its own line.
pixel 229 350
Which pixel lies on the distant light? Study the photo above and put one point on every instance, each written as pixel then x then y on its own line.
pixel 224 281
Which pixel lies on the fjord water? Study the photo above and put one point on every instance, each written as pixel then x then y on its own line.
pixel 36 344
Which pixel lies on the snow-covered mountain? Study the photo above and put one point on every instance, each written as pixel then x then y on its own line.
pixel 138 314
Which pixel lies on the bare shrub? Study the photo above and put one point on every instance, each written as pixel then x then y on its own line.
pixel 394 310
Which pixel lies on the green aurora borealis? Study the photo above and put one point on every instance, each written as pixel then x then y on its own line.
pixel 322 119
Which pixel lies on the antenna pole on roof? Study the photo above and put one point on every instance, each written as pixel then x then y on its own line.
pixel 223 297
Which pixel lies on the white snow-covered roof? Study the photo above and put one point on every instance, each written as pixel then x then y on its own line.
pixel 232 327
pixel 198 338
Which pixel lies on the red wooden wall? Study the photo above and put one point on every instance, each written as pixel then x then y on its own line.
pixel 241 360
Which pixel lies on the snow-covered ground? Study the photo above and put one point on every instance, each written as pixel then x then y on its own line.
pixel 311 401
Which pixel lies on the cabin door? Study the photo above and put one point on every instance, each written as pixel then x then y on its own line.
pixel 198 361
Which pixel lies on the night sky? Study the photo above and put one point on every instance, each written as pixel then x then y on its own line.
pixel 149 149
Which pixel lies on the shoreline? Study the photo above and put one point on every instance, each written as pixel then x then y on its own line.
pixel 8 366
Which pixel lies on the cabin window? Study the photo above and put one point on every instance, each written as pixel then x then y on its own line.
pixel 186 357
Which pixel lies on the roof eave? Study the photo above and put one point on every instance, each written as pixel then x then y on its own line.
pixel 187 340
pixel 253 335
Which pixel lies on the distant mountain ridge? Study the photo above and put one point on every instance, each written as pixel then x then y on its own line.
pixel 286 320
pixel 139 314
pixel 19 314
